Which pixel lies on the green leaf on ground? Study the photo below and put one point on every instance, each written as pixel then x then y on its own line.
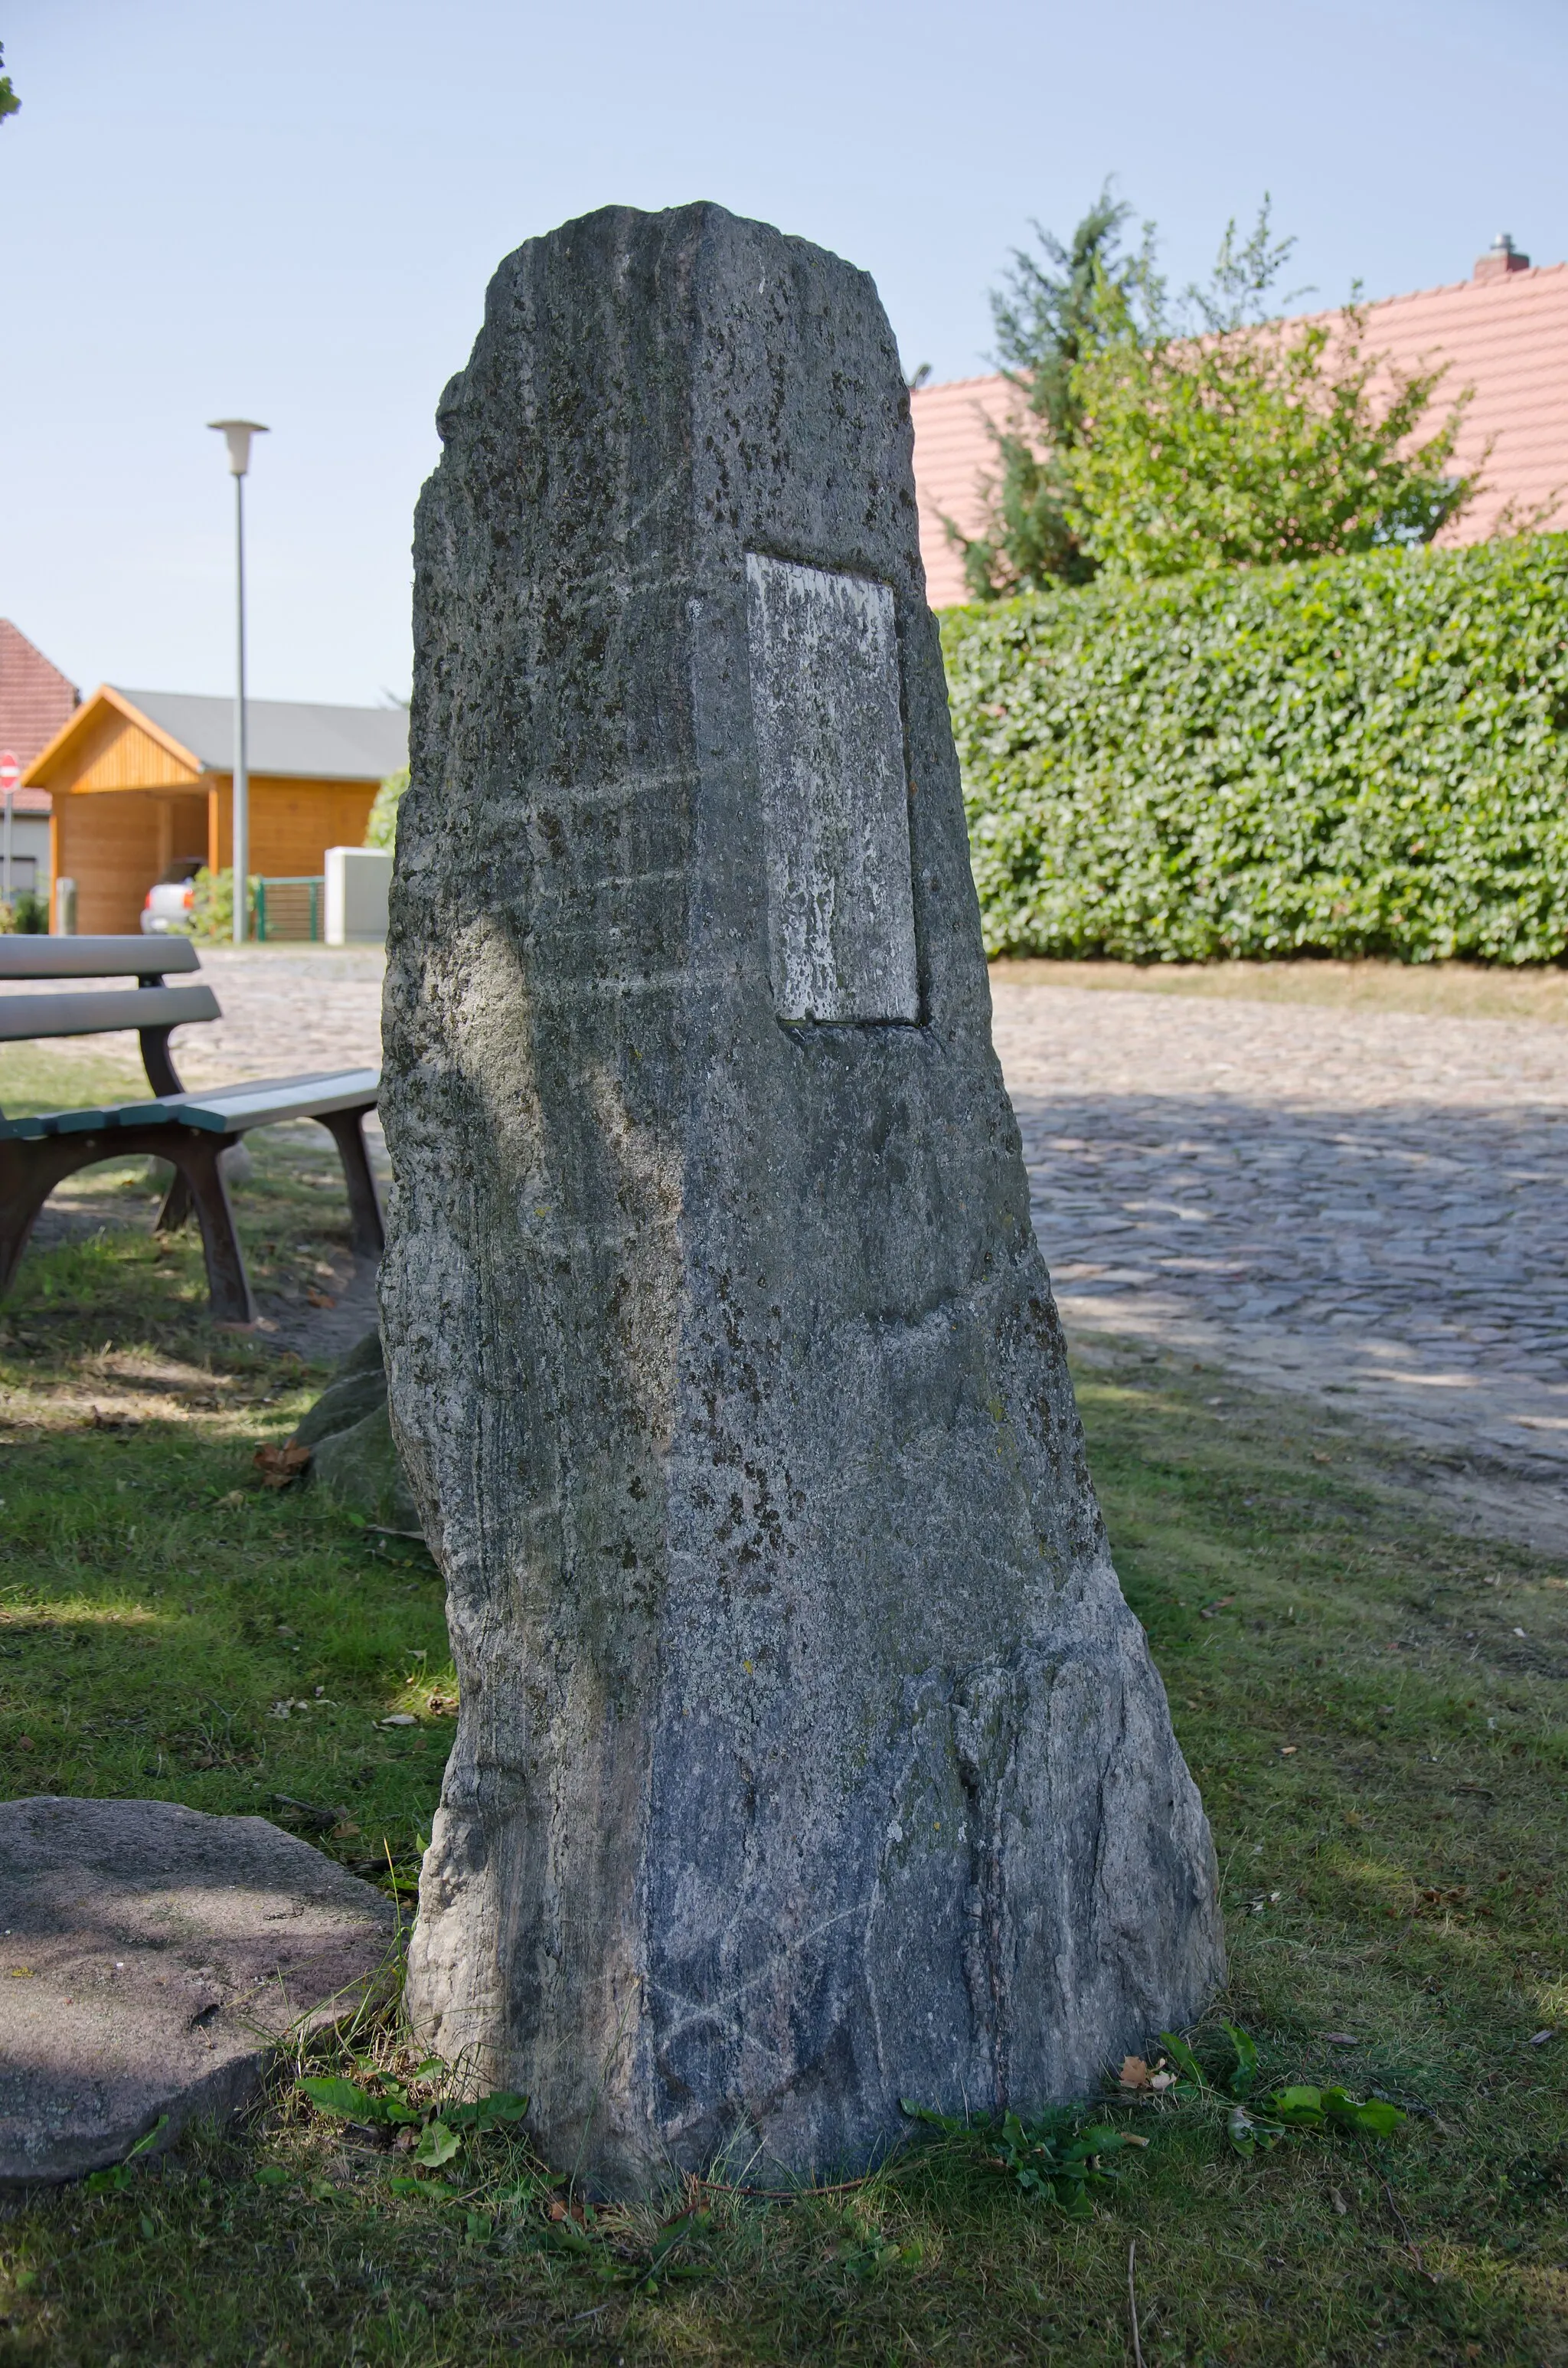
pixel 437 2143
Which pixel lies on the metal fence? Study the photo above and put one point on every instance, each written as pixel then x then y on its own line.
pixel 289 911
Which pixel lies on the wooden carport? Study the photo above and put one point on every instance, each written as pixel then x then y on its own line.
pixel 140 777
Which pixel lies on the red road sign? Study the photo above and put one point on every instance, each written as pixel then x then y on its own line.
pixel 10 770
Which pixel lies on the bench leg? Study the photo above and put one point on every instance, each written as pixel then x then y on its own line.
pixel 228 1284
pixel 26 1183
pixel 30 1170
pixel 365 1233
pixel 177 1209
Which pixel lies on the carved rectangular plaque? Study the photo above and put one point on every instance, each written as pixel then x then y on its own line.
pixel 825 684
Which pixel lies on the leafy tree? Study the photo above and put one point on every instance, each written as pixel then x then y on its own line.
pixel 382 829
pixel 9 103
pixel 212 913
pixel 1047 317
pixel 1214 434
pixel 1206 433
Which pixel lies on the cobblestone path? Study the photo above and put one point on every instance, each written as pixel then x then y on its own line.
pixel 1366 1206
pixel 319 1007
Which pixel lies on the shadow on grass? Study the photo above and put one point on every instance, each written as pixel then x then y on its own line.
pixel 1381 1753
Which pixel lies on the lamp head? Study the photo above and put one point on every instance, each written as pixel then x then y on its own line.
pixel 239 433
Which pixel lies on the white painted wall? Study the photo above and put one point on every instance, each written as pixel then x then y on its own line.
pixel 357 879
pixel 30 837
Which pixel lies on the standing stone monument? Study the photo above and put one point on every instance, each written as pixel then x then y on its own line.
pixel 808 1757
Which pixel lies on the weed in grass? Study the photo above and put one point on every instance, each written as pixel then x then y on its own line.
pixel 1066 2160
pixel 119 2176
pixel 1254 2122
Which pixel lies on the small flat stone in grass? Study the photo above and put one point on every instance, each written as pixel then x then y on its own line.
pixel 159 1958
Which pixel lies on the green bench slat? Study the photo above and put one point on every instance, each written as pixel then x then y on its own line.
pixel 233 1110
pixel 271 1101
pixel 140 957
pixel 96 1013
pixel 84 1121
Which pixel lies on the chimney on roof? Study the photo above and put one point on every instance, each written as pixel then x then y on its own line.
pixel 1500 257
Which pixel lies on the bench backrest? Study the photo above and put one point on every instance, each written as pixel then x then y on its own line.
pixel 147 957
pixel 147 1006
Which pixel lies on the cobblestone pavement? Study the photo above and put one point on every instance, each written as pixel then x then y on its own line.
pixel 286 1009
pixel 1363 1206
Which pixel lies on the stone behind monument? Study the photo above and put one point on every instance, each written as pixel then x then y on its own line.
pixel 808 1757
pixel 348 1432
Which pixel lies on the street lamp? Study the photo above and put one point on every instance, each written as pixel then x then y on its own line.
pixel 239 432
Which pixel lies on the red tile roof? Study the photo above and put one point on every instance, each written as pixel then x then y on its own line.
pixel 1505 332
pixel 954 456
pixel 35 700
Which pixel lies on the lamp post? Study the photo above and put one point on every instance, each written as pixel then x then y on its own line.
pixel 238 433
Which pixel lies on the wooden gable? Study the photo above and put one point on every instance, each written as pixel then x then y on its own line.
pixel 109 745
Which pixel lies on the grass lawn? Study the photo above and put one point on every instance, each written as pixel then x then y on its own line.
pixel 1373 1705
pixel 1448 990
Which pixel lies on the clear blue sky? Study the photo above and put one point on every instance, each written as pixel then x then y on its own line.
pixel 290 211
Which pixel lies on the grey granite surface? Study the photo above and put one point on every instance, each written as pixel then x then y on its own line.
pixel 809 1757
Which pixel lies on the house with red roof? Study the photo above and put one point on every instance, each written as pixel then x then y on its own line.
pixel 35 700
pixel 1503 332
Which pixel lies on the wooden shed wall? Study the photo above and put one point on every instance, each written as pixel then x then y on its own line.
pixel 109 846
pixel 292 823
pixel 114 843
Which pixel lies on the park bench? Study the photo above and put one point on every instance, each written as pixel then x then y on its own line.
pixel 191 1131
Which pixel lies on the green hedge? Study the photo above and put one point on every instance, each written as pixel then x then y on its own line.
pixel 1359 756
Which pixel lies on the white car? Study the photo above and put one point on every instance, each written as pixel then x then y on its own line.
pixel 170 898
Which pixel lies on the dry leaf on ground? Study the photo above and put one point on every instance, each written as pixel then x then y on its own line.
pixel 278 1466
